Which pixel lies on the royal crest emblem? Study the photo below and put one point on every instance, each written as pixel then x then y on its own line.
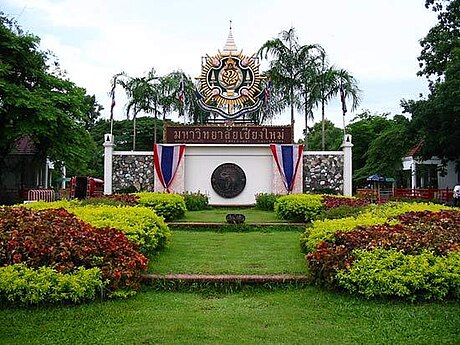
pixel 230 84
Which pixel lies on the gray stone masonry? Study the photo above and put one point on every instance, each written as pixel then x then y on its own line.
pixel 323 171
pixel 133 170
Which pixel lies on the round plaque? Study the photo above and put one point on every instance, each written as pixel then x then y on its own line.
pixel 228 180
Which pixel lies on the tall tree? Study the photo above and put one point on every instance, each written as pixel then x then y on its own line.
pixel 334 137
pixel 308 60
pixel 329 81
pixel 144 95
pixel 379 143
pixel 283 51
pixel 436 120
pixel 38 102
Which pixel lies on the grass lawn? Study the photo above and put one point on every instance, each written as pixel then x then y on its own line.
pixel 282 316
pixel 231 253
pixel 217 215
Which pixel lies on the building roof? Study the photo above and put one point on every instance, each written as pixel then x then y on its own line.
pixel 24 146
pixel 414 151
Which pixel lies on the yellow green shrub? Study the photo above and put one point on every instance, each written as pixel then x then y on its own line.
pixel 140 224
pixel 20 284
pixel 298 207
pixel 324 230
pixel 169 206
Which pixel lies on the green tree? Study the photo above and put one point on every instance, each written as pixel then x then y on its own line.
pixel 436 120
pixel 38 102
pixel 334 136
pixel 329 81
pixel 442 42
pixel 379 144
pixel 283 51
pixel 123 136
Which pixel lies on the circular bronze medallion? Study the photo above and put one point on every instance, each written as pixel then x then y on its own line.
pixel 228 180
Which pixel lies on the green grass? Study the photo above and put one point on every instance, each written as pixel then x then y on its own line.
pixel 217 215
pixel 283 316
pixel 231 253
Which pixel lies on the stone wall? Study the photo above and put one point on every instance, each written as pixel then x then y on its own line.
pixel 132 170
pixel 323 170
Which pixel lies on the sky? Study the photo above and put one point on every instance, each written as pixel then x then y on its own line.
pixel 377 41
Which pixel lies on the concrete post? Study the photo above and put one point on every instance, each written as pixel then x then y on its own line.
pixel 413 171
pixel 108 155
pixel 347 165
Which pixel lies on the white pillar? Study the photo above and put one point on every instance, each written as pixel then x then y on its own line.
pixel 347 165
pixel 413 170
pixel 108 155
pixel 63 175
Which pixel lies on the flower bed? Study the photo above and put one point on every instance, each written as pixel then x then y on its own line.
pixel 58 239
pixel 434 236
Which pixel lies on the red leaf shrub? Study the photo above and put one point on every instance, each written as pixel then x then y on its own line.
pixel 330 201
pixel 436 231
pixel 57 239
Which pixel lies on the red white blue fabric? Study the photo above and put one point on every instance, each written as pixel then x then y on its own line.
pixel 166 159
pixel 287 158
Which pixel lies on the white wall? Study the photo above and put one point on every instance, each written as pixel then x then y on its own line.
pixel 256 161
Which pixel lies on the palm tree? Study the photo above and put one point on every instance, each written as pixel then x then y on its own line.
pixel 330 79
pixel 308 59
pixel 188 107
pixel 144 95
pixel 283 65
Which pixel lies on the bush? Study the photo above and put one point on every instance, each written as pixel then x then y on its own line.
pixel 392 273
pixel 112 200
pixel 169 206
pixel 298 207
pixel 196 201
pixel 22 285
pixel 141 225
pixel 58 239
pixel 266 201
pixel 330 201
pixel 417 232
pixel 341 212
pixel 324 230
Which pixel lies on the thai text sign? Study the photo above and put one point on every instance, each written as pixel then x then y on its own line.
pixel 233 134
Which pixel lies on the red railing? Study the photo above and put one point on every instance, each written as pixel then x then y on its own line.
pixel 41 195
pixel 424 193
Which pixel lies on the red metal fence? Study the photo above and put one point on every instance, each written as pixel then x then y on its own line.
pixel 42 195
pixel 424 193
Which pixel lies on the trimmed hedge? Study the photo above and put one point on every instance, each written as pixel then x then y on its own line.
pixel 58 239
pixel 298 207
pixel 384 273
pixel 324 230
pixel 20 284
pixel 169 206
pixel 141 225
pixel 427 238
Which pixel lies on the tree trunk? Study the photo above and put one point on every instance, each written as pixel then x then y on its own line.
pixel 322 126
pixel 134 132
pixel 291 96
pixel 307 112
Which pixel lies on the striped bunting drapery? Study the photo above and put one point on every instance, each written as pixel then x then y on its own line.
pixel 287 158
pixel 166 159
